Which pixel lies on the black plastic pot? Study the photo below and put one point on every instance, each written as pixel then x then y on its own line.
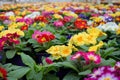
pixel 40 55
pixel 16 60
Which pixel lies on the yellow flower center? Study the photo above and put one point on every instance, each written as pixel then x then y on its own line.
pixel 43 39
pixel 92 58
pixel 66 51
pixel 80 38
pixel 107 78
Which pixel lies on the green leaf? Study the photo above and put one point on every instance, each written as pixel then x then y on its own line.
pixel 108 51
pixel 31 74
pixel 10 54
pixel 101 38
pixel 115 53
pixel 10 67
pixel 85 72
pixel 11 78
pixel 51 77
pixel 26 49
pixel 32 41
pixel 71 76
pixel 18 73
pixel 39 76
pixel 27 60
pixel 109 62
pixel 69 65
pixel 85 48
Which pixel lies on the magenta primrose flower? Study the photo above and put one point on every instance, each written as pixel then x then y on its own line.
pixel 58 23
pixel 77 55
pixel 91 56
pixel 88 56
pixel 48 61
pixel 117 65
pixel 36 34
pixel 104 73
pixel 108 76
pixel 28 21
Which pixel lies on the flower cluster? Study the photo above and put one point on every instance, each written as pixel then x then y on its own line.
pixel 87 38
pixel 59 51
pixel 5 32
pixel 88 56
pixel 3 73
pixel 105 73
pixel 42 37
pixel 80 24
pixel 9 39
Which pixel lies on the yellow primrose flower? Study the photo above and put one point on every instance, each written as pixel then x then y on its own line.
pixel 19 24
pixel 93 48
pixel 18 31
pixel 59 51
pixel 90 39
pixel 53 49
pixel 117 13
pixel 56 56
pixel 100 44
pixel 96 47
pixel 42 24
pixel 69 13
pixel 12 25
pixel 96 32
pixel 118 31
pixel 1 28
pixel 57 16
pixel 65 51
pixel 79 40
pixel 12 18
pixel 72 47
pixel 113 15
pixel 97 19
pixel 24 13
pixel 18 17
pixel 34 24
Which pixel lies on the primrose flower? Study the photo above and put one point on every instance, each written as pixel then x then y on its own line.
pixel 59 51
pixel 25 27
pixel 2 42
pixel 91 56
pixel 3 73
pixel 9 13
pixel 108 76
pixel 80 24
pixel 42 37
pixel 7 22
pixel 67 18
pixel 110 26
pixel 117 65
pixel 1 28
pixel 78 39
pixel 96 47
pixel 57 16
pixel 42 24
pixel 65 51
pixel 58 23
pixel 105 73
pixel 36 34
pixel 41 18
pixel 118 31
pixel 77 55
pixel 48 61
pixel 18 31
pixel 96 32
